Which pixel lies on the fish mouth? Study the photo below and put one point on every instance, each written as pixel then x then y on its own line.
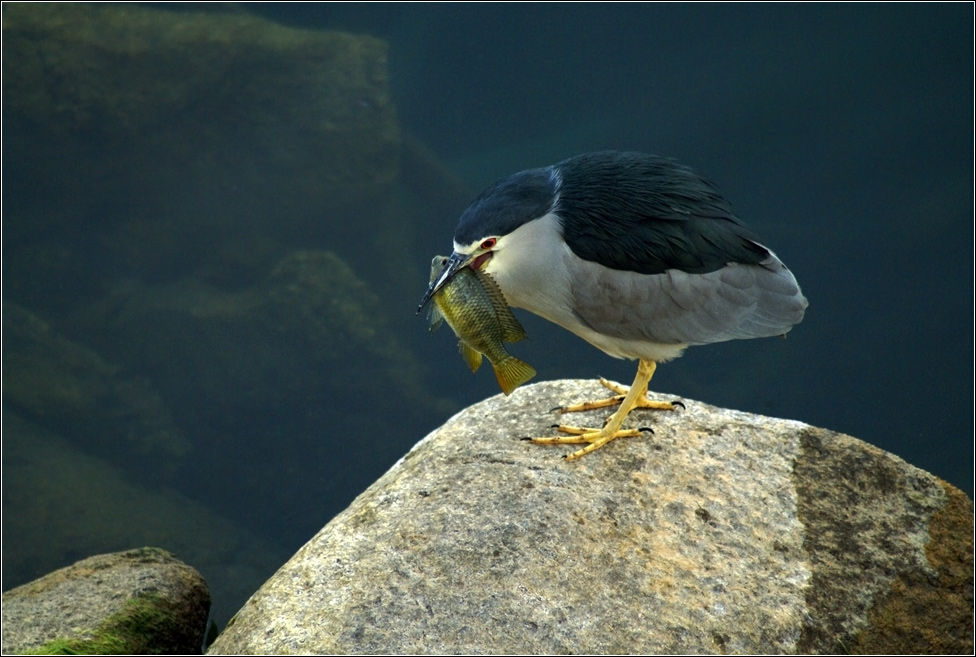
pixel 455 263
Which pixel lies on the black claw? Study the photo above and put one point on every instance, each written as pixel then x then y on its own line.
pixel 558 408
pixel 526 438
pixel 553 426
pixel 679 403
pixel 648 429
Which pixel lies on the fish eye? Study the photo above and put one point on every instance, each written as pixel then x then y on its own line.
pixel 488 243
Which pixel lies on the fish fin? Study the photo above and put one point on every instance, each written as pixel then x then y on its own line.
pixel 512 372
pixel 435 317
pixel 471 356
pixel 512 330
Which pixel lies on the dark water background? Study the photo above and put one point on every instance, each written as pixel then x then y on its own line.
pixel 843 134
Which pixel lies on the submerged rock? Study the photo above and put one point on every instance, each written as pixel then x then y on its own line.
pixel 189 81
pixel 161 142
pixel 68 386
pixel 286 378
pixel 142 601
pixel 721 532
pixel 61 504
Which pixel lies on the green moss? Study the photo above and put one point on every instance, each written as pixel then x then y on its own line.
pixel 143 626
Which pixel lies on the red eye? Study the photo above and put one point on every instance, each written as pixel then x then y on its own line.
pixel 488 243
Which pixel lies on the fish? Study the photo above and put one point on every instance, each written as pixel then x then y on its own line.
pixel 475 308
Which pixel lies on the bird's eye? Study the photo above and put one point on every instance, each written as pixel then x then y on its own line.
pixel 488 243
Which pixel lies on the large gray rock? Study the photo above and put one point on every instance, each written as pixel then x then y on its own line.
pixel 721 532
pixel 141 601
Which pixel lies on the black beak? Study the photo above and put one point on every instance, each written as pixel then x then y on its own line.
pixel 454 264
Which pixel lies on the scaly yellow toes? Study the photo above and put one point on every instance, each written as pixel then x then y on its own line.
pixel 627 398
pixel 601 439
pixel 593 438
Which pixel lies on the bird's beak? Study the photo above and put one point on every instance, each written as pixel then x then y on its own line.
pixel 455 263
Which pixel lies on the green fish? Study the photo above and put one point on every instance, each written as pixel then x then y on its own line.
pixel 475 308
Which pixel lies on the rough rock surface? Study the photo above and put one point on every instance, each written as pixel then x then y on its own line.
pixel 74 603
pixel 721 532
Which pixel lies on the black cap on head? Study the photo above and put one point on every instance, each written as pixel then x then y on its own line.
pixel 508 204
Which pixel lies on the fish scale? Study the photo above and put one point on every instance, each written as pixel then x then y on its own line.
pixel 474 307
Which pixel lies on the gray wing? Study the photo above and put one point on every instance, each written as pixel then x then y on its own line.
pixel 676 307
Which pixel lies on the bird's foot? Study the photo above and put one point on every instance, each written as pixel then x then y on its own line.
pixel 596 438
pixel 628 400
pixel 640 402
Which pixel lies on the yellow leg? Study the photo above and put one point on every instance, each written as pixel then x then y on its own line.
pixel 636 397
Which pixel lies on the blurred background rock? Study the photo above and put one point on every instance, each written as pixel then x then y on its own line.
pixel 188 361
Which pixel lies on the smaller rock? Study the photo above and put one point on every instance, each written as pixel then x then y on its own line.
pixel 143 601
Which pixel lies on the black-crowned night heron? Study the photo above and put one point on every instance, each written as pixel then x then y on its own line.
pixel 639 256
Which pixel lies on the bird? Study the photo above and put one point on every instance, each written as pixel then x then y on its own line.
pixel 635 253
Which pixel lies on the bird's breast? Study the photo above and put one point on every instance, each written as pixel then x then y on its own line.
pixel 533 270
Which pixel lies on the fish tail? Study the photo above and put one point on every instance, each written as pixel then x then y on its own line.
pixel 512 372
